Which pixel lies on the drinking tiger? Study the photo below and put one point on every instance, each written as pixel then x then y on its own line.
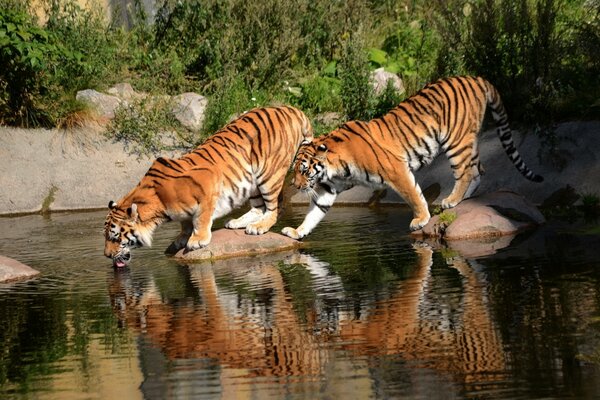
pixel 246 160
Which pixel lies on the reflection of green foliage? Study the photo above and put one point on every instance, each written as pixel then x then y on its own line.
pixel 298 283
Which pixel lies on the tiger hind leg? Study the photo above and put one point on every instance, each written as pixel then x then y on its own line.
pixel 467 174
pixel 257 210
pixel 404 183
pixel 269 191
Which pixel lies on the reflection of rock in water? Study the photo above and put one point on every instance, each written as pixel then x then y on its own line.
pixel 248 318
pixel 470 248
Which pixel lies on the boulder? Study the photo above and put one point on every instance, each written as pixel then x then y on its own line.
pixel 228 243
pixel 124 91
pixel 329 119
pixel 494 214
pixel 189 109
pixel 104 104
pixel 12 270
pixel 380 78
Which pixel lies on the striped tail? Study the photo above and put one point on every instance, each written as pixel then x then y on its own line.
pixel 503 131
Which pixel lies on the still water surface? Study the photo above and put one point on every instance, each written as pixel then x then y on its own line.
pixel 362 312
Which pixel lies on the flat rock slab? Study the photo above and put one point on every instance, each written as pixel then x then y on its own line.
pixel 494 214
pixel 12 270
pixel 228 243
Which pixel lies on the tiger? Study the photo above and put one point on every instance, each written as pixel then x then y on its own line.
pixel 445 116
pixel 247 159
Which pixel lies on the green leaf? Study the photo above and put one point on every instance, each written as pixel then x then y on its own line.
pixel 24 35
pixel 378 56
pixel 393 67
pixel 330 68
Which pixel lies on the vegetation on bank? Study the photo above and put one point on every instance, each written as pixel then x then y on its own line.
pixel 543 55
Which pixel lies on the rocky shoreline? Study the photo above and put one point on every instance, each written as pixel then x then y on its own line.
pixel 55 170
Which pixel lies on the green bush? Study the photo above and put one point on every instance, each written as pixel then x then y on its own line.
pixel 144 125
pixel 28 53
pixel 354 72
pixel 531 50
pixel 543 55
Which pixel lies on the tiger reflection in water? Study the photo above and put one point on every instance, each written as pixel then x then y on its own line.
pixel 264 335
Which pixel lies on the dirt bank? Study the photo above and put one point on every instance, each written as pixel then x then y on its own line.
pixel 57 170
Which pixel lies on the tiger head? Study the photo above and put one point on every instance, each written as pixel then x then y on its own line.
pixel 310 167
pixel 123 231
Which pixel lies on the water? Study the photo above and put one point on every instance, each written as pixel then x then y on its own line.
pixel 362 312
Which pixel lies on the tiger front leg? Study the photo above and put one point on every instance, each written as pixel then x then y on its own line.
pixel 202 225
pixel 319 205
pixel 187 227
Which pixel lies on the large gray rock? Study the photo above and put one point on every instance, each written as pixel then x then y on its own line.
pixel 189 109
pixel 124 91
pixel 104 104
pixel 13 270
pixel 494 214
pixel 228 243
pixel 380 78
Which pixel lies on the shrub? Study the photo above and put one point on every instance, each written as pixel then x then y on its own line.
pixel 145 126
pixel 27 54
pixel 354 72
pixel 526 48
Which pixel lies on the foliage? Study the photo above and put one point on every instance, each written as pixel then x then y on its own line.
pixel 146 125
pixel 28 53
pixel 526 48
pixel 356 90
pixel 543 55
pixel 447 217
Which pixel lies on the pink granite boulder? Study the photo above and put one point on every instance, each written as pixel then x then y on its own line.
pixel 228 243
pixel 13 270
pixel 493 214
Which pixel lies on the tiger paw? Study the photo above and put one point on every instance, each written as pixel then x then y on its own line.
pixel 418 223
pixel 234 224
pixel 448 203
pixel 196 242
pixel 257 229
pixel 291 232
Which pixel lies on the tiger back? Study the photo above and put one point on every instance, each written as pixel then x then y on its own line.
pixel 246 160
pixel 445 116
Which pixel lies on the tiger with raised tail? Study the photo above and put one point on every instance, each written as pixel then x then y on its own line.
pixel 445 116
pixel 246 160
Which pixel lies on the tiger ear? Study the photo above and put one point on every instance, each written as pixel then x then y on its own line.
pixel 133 212
pixel 305 142
pixel 112 205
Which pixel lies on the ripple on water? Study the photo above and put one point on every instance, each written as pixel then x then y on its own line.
pixel 359 313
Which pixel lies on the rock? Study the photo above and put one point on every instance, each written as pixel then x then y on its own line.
pixel 380 78
pixel 330 119
pixel 227 243
pixel 189 109
pixel 12 270
pixel 494 214
pixel 104 104
pixel 124 91
pixel 563 197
